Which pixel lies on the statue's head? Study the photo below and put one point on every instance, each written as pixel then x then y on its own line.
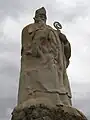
pixel 40 15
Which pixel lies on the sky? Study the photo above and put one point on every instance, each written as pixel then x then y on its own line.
pixel 75 19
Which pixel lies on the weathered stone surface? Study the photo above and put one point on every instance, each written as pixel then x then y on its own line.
pixel 41 112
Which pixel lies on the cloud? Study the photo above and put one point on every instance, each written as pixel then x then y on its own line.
pixel 6 107
pixel 66 10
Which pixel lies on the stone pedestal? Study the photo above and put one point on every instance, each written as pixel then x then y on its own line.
pixel 42 112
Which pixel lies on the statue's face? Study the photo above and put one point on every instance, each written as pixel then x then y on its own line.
pixel 40 18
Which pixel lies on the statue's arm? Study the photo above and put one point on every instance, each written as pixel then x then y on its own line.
pixel 22 48
pixel 67 49
pixel 23 39
pixel 67 46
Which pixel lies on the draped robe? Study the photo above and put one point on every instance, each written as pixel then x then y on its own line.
pixel 42 67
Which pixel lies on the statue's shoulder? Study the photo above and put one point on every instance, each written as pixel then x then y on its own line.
pixel 49 27
pixel 27 26
pixel 34 26
pixel 30 27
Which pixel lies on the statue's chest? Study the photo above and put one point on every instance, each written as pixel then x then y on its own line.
pixel 40 36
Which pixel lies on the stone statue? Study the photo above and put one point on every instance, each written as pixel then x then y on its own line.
pixel 43 64
pixel 44 83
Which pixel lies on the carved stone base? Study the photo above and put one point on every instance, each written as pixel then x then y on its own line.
pixel 42 112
